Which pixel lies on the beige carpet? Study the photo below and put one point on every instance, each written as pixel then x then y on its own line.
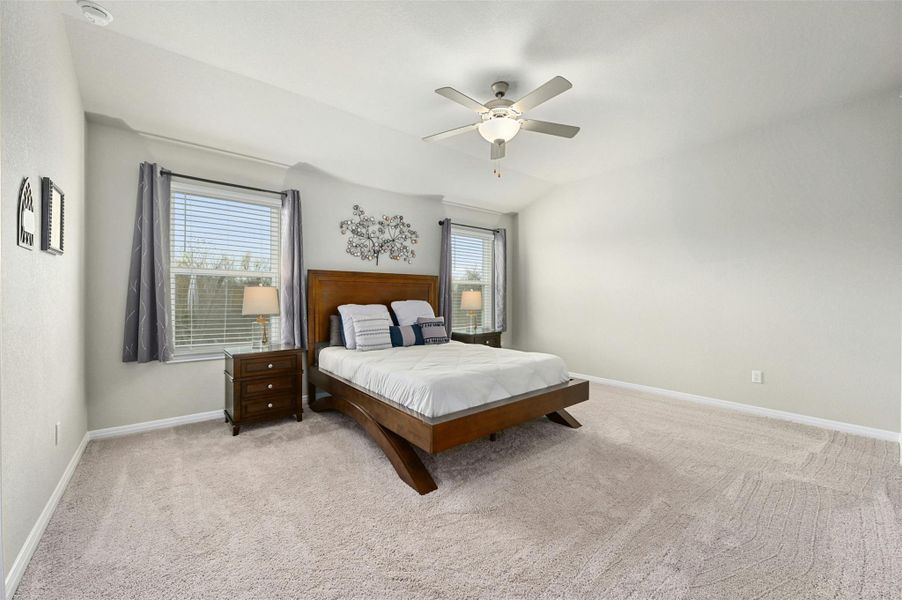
pixel 652 498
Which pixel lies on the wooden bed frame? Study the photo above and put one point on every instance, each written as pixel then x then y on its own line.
pixel 393 426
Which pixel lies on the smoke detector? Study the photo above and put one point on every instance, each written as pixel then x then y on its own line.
pixel 95 13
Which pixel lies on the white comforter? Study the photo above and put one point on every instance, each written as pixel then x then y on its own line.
pixel 440 379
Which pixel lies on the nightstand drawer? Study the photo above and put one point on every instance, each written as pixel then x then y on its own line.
pixel 276 365
pixel 483 338
pixel 488 340
pixel 267 386
pixel 251 409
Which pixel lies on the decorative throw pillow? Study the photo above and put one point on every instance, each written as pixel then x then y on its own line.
pixel 349 312
pixel 408 311
pixel 336 334
pixel 371 333
pixel 433 330
pixel 406 335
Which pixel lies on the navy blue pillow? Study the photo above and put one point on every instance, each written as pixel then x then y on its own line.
pixel 406 335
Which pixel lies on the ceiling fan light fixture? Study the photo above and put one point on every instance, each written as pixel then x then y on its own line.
pixel 499 128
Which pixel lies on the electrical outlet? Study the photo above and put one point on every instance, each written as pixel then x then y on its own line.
pixel 56 434
pixel 757 376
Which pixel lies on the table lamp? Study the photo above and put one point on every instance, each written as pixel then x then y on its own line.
pixel 262 301
pixel 471 301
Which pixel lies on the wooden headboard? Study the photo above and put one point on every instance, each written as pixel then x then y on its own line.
pixel 327 290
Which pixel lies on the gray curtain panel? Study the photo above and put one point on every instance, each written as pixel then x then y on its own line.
pixel 444 276
pixel 500 291
pixel 293 299
pixel 147 305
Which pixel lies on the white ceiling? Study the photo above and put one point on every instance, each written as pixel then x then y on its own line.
pixel 348 87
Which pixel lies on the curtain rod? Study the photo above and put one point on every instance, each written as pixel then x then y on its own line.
pixel 496 230
pixel 214 181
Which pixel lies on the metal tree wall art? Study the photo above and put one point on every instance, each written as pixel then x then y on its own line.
pixel 372 237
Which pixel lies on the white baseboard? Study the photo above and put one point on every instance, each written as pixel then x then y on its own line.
pixel 871 432
pixel 110 432
pixel 31 542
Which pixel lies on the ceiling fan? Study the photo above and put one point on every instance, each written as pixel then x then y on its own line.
pixel 502 119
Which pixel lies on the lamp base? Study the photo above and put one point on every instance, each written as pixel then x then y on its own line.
pixel 263 320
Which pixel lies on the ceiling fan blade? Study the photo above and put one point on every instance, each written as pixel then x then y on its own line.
pixel 498 150
pixel 546 91
pixel 450 133
pixel 567 131
pixel 451 94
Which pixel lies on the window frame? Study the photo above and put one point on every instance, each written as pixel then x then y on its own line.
pixel 221 193
pixel 488 287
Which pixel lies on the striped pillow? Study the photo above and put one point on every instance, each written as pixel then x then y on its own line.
pixel 433 330
pixel 372 333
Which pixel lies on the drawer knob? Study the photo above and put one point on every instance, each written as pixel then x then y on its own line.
pixel 269 405
pixel 269 386
pixel 269 366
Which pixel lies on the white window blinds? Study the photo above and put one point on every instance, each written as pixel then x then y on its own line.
pixel 472 269
pixel 220 242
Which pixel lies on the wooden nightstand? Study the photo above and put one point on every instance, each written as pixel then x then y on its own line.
pixel 486 337
pixel 262 384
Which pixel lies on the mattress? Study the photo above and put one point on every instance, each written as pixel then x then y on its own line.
pixel 440 379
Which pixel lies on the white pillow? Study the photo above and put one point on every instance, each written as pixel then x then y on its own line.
pixel 408 311
pixel 349 311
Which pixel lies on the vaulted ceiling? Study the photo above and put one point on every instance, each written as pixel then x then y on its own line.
pixel 348 87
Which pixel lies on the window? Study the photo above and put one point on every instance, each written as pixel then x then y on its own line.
pixel 220 242
pixel 472 269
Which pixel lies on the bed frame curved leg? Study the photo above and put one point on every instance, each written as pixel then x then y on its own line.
pixel 562 417
pixel 398 450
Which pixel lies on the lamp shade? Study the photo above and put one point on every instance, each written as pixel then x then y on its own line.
pixel 499 128
pixel 260 300
pixel 471 300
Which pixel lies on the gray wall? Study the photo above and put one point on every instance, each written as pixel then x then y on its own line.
pixel 120 394
pixel 778 250
pixel 42 313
